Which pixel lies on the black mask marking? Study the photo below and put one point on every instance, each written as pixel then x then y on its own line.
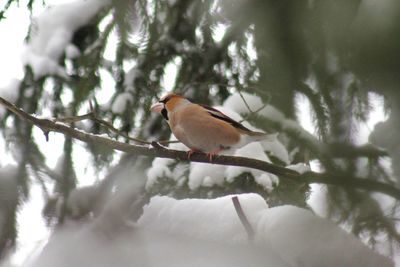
pixel 165 100
pixel 164 113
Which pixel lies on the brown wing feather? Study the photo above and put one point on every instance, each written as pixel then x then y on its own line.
pixel 219 115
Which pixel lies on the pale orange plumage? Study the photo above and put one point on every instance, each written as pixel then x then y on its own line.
pixel 202 128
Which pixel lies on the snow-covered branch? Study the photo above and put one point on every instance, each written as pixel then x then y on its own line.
pixel 156 150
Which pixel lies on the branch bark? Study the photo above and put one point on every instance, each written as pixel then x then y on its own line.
pixel 156 150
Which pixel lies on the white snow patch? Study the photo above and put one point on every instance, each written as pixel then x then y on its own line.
pixel 256 151
pixel 298 236
pixel 71 51
pixel 43 66
pixel 9 93
pixel 272 113
pixel 304 239
pixel 120 102
pixel 130 78
pixel 277 149
pixel 159 168
pixel 203 174
pixel 318 201
pixel 59 167
pixel 53 32
pixel 80 246
pixel 207 219
pixel 236 103
pixel 299 167
pixel 82 200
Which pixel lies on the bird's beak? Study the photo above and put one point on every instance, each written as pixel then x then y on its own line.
pixel 157 107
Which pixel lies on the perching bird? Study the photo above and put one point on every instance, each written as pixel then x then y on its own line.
pixel 202 128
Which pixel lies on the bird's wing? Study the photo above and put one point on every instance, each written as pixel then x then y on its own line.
pixel 221 116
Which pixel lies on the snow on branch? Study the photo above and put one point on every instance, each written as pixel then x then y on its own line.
pixel 157 150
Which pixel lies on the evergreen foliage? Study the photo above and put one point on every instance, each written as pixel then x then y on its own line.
pixel 334 53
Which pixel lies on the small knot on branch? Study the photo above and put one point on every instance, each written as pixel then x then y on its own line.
pixel 155 144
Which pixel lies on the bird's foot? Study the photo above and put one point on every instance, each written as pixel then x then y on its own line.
pixel 190 152
pixel 214 152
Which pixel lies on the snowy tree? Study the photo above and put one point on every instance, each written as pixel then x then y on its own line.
pixel 93 68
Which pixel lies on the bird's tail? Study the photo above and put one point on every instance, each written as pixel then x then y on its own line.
pixel 259 136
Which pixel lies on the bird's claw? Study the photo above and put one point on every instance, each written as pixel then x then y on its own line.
pixel 190 152
pixel 210 156
pixel 213 153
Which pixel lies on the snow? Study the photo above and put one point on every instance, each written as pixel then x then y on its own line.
pixel 236 103
pixel 108 240
pixel 304 239
pixel 53 32
pixel 130 78
pixel 9 93
pixel 318 200
pixel 207 219
pixel 276 149
pixel 206 232
pixel 299 167
pixel 160 167
pixel 59 167
pixel 71 51
pixel 204 174
pixel 32 230
pixel 80 246
pixel 298 236
pixel 120 102
pixel 256 151
pixel 82 200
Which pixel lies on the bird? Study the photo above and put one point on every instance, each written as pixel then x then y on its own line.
pixel 202 128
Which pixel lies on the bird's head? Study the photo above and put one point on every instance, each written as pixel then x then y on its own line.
pixel 168 103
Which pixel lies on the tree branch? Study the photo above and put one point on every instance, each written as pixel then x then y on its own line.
pixel 156 150
pixel 321 149
pixel 93 116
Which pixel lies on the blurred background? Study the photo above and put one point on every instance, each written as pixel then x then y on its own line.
pixel 318 72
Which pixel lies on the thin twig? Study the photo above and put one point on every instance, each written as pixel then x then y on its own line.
pixel 253 113
pixel 109 126
pixel 244 100
pixel 243 219
pixel 74 119
pixel 92 116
